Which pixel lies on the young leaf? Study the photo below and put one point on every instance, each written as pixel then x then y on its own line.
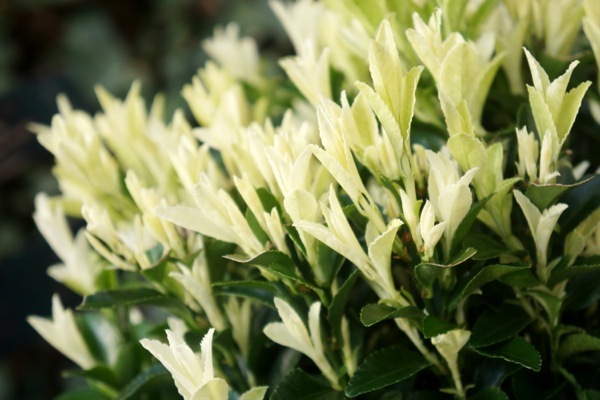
pixel 515 350
pixel 302 386
pixel 495 327
pixel 383 368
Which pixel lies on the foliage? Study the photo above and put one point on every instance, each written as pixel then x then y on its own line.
pixel 398 216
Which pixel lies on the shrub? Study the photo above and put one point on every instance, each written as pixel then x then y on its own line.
pixel 396 216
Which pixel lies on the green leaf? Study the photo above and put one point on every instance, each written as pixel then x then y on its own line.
pixel 383 368
pixel 592 394
pixel 528 385
pixel 265 259
pixel 156 374
pixel 301 386
pixel 124 297
pixel 582 201
pixel 433 326
pixel 558 276
pixel 490 393
pixel 99 373
pixel 254 225
pixel 87 393
pixel 372 314
pixel 515 350
pixel 577 343
pixel 548 301
pixel 543 196
pixel 330 261
pixel 479 278
pixel 426 274
pixel 338 304
pixel 487 247
pixel 465 226
pixel 159 274
pixel 288 272
pixel 495 327
pixel 258 290
pixel 524 278
pixel 128 361
pixel 267 200
pixel 582 291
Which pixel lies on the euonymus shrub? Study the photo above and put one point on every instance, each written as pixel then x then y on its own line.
pixel 396 215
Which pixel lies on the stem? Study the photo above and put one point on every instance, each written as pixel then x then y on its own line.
pixel 415 338
pixel 460 391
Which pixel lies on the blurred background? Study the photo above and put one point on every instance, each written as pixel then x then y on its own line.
pixel 49 47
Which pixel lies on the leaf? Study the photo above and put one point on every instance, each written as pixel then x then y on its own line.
pixel 487 247
pixel 558 276
pixel 479 278
pixel 159 274
pixel 383 368
pixel 433 326
pixel 87 393
pixel 543 196
pixel 265 259
pixel 467 150
pixel 288 272
pixel 465 226
pixel 372 314
pixel 267 200
pixel 154 375
pixel 491 372
pixel 301 386
pixel 582 291
pixel 124 297
pixel 99 373
pixel 582 201
pixel 527 385
pixel 330 261
pixel 257 290
pixel 515 350
pixel 524 278
pixel 427 273
pixel 577 343
pixel 495 327
pixel 490 393
pixel 256 393
pixel 254 225
pixel 339 301
pixel 549 301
